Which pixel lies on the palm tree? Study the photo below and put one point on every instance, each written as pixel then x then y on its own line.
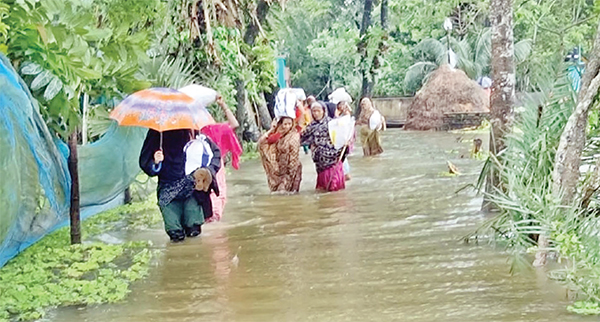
pixel 473 58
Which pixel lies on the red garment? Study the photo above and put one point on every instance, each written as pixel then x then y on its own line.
pixel 332 179
pixel 273 137
pixel 222 134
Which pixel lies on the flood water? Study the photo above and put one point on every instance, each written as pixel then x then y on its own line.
pixel 386 249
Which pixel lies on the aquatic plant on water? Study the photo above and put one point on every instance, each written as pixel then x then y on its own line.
pixel 54 273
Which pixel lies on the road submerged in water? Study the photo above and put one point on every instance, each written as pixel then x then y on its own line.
pixel 386 249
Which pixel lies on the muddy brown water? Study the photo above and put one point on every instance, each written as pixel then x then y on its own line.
pixel 385 249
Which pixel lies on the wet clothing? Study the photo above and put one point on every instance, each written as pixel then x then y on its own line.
pixel 370 139
pixel 332 179
pixel 173 167
pixel 218 202
pixel 182 213
pixel 224 136
pixel 176 189
pixel 327 159
pixel 316 135
pixel 280 156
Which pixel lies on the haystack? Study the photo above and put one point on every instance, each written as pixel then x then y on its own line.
pixel 448 90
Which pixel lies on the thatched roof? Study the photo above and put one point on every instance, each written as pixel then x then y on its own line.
pixel 448 90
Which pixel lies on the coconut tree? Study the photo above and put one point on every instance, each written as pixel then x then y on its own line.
pixel 473 57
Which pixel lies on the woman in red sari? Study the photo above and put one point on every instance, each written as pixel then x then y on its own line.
pixel 280 155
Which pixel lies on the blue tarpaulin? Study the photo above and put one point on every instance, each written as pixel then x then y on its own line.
pixel 35 183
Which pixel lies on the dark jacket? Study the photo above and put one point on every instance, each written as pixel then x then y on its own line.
pixel 172 171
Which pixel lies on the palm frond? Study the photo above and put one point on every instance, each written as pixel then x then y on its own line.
pixel 417 74
pixel 429 49
pixel 523 49
pixel 483 48
pixel 168 72
pixel 464 52
pixel 98 122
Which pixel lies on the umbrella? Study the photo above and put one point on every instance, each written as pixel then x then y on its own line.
pixel 161 109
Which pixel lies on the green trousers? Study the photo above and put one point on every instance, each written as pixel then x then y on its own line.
pixel 182 213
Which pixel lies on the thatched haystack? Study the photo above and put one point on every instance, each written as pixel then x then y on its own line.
pixel 448 90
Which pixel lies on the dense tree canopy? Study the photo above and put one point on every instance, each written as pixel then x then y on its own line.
pixel 109 48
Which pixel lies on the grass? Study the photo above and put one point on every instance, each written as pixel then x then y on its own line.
pixel 54 273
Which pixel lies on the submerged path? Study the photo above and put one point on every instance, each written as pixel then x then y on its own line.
pixel 385 249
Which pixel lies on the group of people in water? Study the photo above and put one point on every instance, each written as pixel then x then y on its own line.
pixel 192 188
pixel 279 147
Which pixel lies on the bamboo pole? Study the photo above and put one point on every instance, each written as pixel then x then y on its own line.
pixel 73 171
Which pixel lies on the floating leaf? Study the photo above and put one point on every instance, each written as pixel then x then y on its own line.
pixel 53 88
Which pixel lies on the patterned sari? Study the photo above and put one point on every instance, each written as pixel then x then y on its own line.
pixel 281 160
pixel 325 156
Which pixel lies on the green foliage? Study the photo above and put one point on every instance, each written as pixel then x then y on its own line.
pixel 336 49
pixel 307 27
pixel 585 308
pixel 219 59
pixel 529 206
pixel 393 70
pixel 53 273
pixel 65 48
pixel 526 168
pixel 4 10
pixel 295 29
pixel 134 216
pixel 250 151
pixel 164 71
pixel 555 27
pixel 474 57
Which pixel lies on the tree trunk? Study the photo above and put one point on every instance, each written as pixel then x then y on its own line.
pixel 572 142
pixel 128 198
pixel 503 90
pixel 362 49
pixel 254 27
pixel 248 129
pixel 241 114
pixel 573 138
pixel 381 50
pixel 248 124
pixel 263 113
pixel 384 14
pixel 73 171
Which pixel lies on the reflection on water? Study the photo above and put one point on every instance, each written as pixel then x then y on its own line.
pixel 385 249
